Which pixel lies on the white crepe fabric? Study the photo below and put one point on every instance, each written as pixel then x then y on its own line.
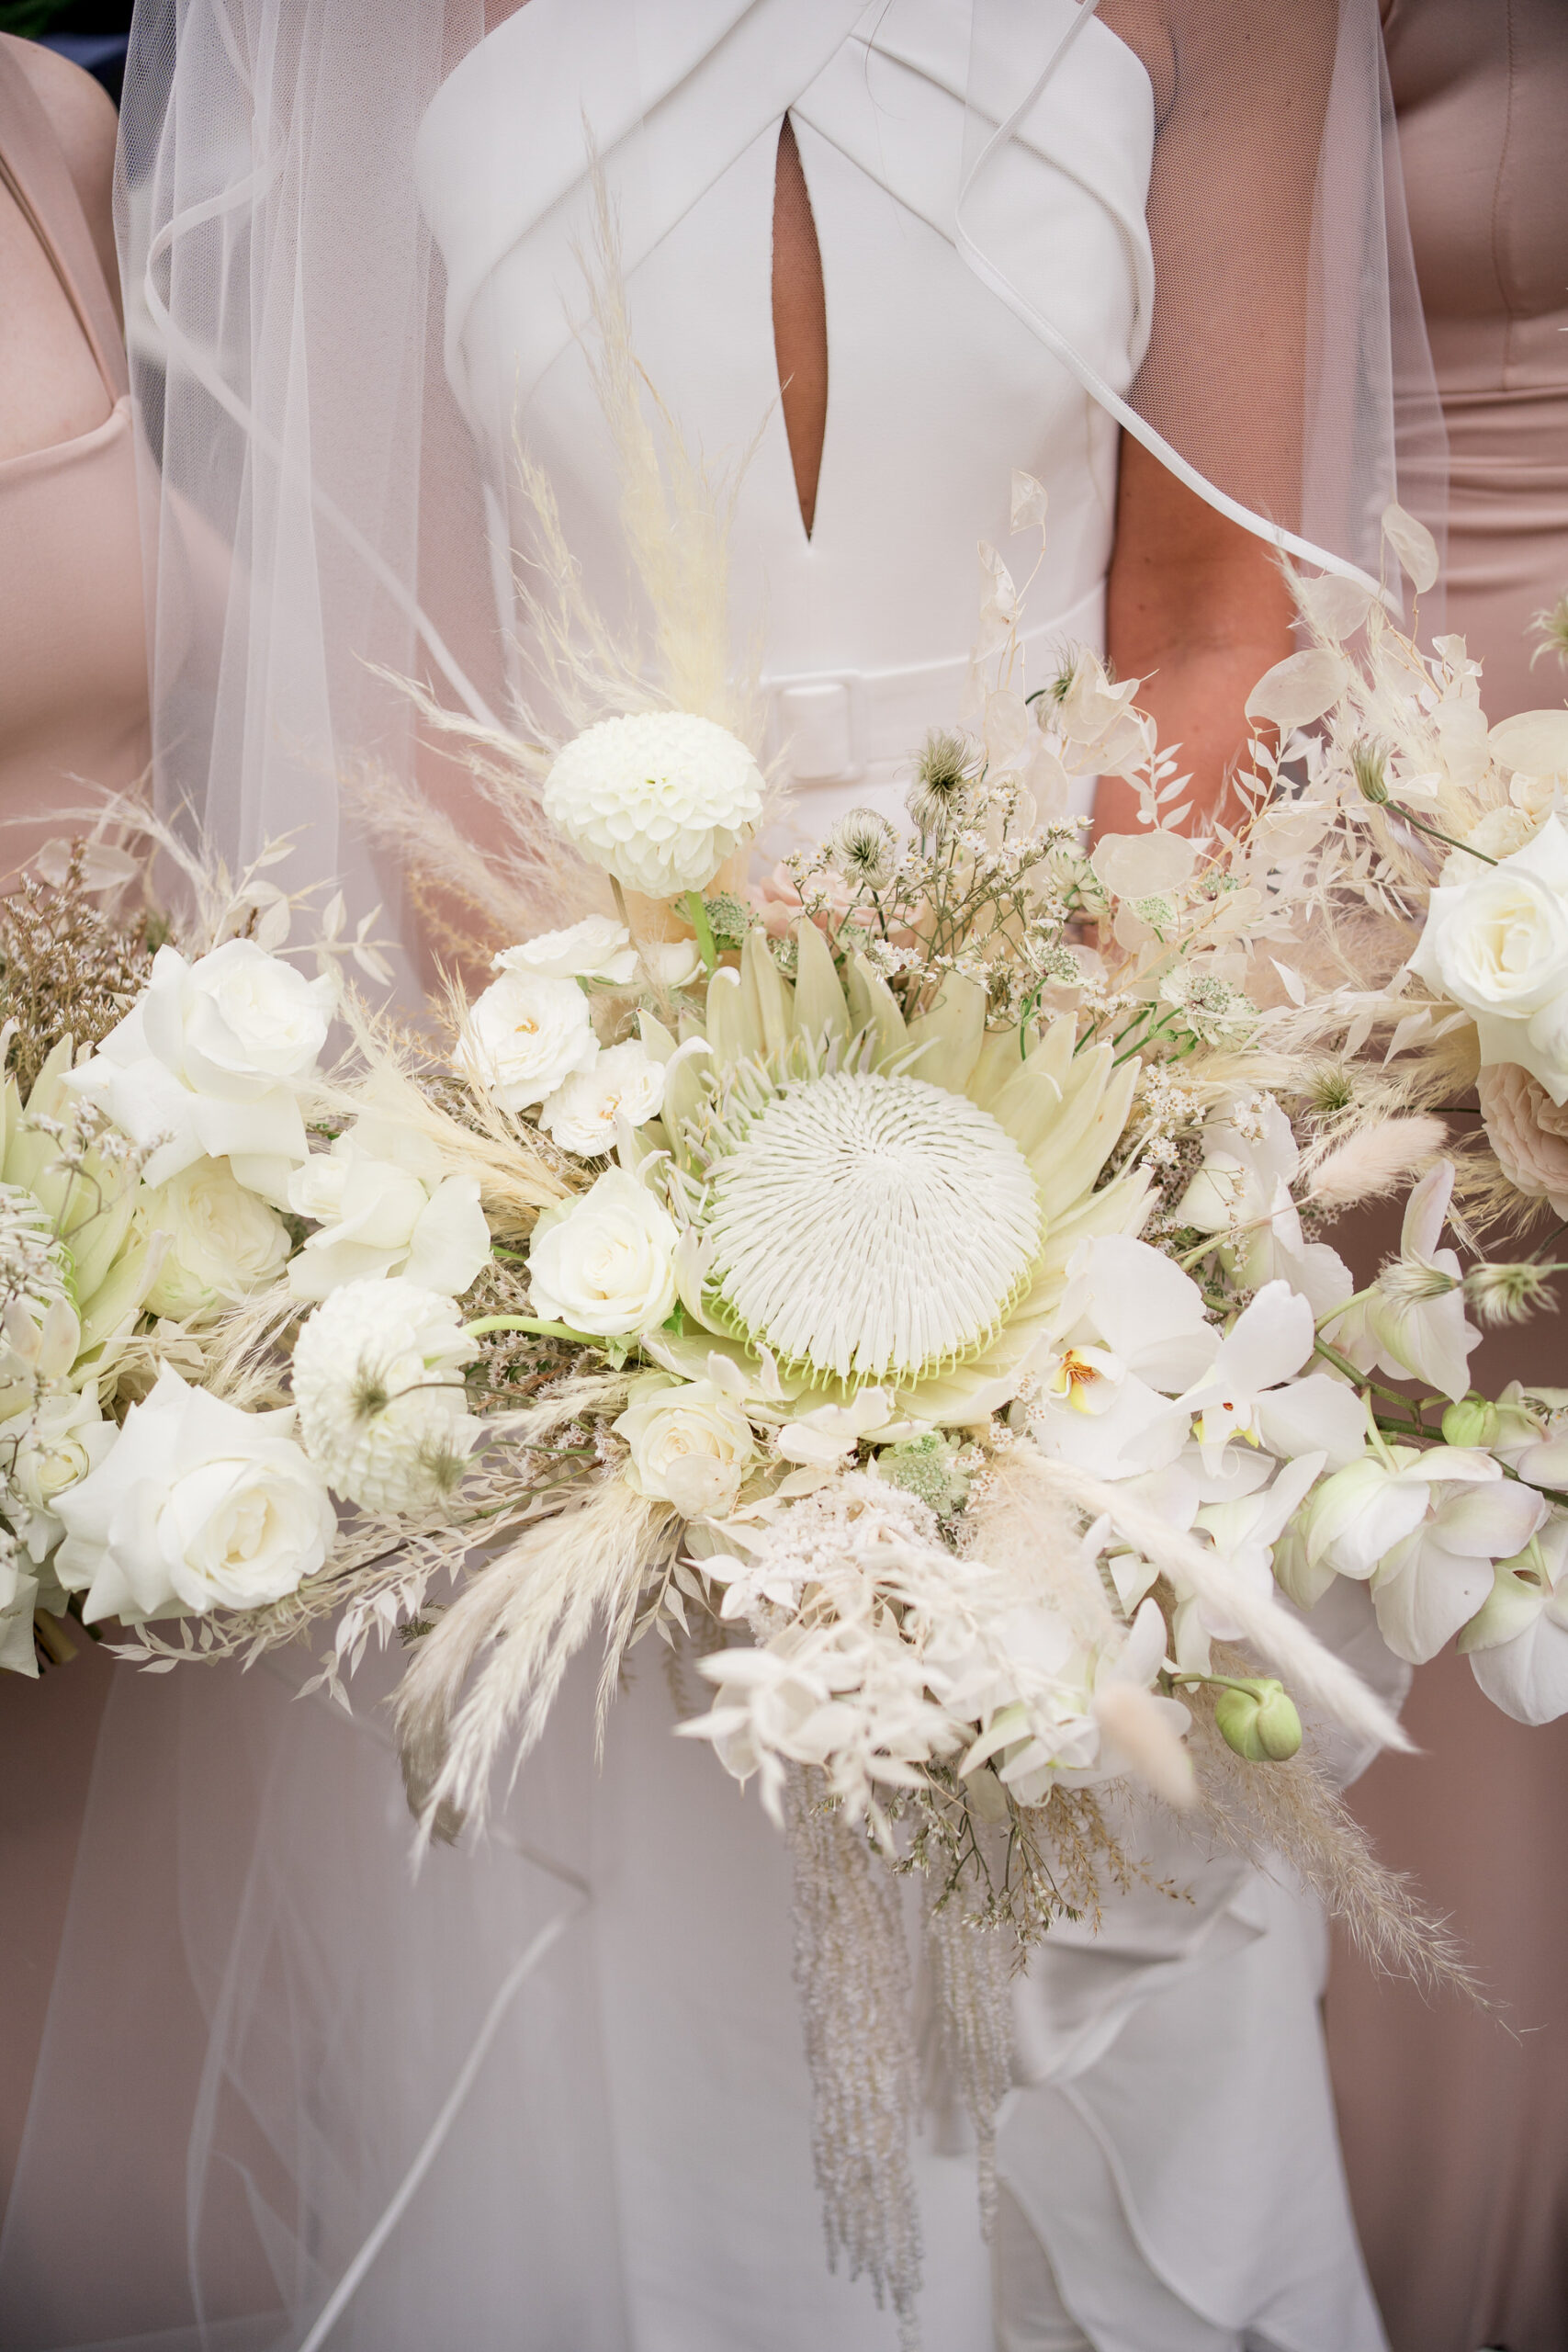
pixel 333 2107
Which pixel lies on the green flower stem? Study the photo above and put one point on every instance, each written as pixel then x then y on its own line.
pixel 1446 839
pixel 526 1323
pixel 1216 1681
pixel 1336 1312
pixel 698 913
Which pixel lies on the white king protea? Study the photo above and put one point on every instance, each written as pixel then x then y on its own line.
pixel 658 799
pixel 881 1202
pixel 873 1226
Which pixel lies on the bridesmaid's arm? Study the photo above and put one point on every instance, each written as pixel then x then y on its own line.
pixel 1197 607
pixel 1196 604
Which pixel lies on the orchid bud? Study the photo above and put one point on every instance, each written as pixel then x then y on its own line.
pixel 1258 1721
pixel 1475 1422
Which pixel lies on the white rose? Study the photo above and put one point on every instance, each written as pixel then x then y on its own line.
pixel 208 1061
pixel 659 799
pixel 605 1263
pixel 223 1242
pixel 594 949
pixel 383 1206
pixel 689 1445
pixel 626 1082
pixel 527 1036
pixel 197 1506
pixel 44 1451
pixel 1498 947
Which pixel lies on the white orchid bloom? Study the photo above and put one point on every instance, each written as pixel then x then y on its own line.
pixel 1135 1334
pixel 1244 1532
pixel 1414 1328
pixel 1518 1640
pixel 1424 1528
pixel 1249 1392
pixel 1242 1191
pixel 1532 1435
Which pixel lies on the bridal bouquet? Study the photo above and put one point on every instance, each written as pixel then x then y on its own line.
pixel 894 1277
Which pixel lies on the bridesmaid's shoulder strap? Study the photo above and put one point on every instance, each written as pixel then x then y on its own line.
pixel 33 167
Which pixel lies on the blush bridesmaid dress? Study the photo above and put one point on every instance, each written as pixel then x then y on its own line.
pixel 1455 2131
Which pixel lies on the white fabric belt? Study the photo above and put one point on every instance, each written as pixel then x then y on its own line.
pixel 832 726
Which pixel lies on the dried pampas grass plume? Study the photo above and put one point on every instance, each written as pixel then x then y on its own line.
pixel 1376 1159
pixel 520 1621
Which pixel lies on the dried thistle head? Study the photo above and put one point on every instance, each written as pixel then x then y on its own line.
pixel 940 794
pixel 1509 1294
pixel 1369 765
pixel 863 847
pixel 1411 1282
pixel 1550 625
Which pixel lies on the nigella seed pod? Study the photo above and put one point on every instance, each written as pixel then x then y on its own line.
pixel 1258 1721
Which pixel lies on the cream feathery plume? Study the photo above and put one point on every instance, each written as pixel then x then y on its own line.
pixel 1313 1672
pixel 526 1615
pixel 1376 1159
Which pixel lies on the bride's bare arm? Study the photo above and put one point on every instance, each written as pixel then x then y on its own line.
pixel 1196 603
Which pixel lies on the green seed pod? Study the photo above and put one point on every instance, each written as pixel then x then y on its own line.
pixel 1258 1721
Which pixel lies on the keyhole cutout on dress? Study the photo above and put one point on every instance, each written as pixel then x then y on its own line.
pixel 800 323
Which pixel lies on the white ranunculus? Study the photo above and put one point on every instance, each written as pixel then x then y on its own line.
pixel 223 1242
pixel 689 1445
pixel 42 1451
pixel 1498 945
pixel 526 1034
pixel 597 948
pixel 383 1206
pixel 626 1082
pixel 379 1383
pixel 605 1263
pixel 209 1062
pixel 658 799
pixel 195 1506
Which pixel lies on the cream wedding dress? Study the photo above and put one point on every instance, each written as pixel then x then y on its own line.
pixel 1170 2155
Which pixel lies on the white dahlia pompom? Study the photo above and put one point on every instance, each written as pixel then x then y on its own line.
pixel 378 1385
pixel 658 799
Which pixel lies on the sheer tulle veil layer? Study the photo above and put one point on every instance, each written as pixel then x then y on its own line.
pixel 260 2118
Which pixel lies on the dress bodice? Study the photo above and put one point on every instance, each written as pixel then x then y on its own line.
pixel 73 649
pixel 936 391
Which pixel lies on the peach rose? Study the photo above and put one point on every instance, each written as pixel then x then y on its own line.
pixel 1528 1131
